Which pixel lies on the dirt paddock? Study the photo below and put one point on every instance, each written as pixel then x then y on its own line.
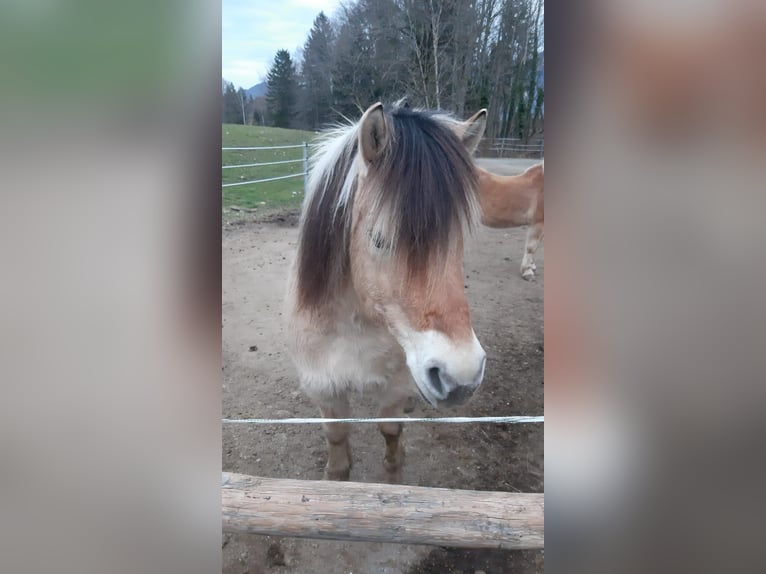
pixel 259 381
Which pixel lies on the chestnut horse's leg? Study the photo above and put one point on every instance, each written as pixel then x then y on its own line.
pixel 338 448
pixel 393 406
pixel 534 236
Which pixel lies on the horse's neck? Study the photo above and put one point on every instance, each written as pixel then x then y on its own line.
pixel 345 309
pixel 518 179
pixel 527 184
pixel 339 307
pixel 534 174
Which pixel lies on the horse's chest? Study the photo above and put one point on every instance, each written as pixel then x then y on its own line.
pixel 367 357
pixel 354 353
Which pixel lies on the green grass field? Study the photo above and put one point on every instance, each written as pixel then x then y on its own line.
pixel 280 194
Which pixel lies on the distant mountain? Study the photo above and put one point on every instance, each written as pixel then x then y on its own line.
pixel 257 90
pixel 253 92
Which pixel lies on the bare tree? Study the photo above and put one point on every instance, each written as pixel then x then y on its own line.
pixel 459 55
pixel 436 17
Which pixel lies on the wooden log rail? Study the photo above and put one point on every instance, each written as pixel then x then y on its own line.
pixel 381 513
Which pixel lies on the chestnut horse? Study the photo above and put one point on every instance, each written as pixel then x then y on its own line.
pixel 513 201
pixel 375 298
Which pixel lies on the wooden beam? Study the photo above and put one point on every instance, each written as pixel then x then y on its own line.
pixel 381 512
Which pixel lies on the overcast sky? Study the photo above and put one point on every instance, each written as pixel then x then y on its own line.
pixel 253 31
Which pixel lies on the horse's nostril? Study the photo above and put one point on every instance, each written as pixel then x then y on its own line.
pixel 434 376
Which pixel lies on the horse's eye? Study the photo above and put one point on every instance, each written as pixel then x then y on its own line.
pixel 379 242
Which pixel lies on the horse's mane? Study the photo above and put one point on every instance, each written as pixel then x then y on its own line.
pixel 425 191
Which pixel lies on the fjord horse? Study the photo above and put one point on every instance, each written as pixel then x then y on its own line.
pixel 513 201
pixel 375 299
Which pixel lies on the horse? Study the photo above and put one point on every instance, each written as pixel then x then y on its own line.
pixel 375 298
pixel 513 201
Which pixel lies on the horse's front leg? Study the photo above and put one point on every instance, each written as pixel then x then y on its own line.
pixel 338 446
pixel 534 236
pixel 393 406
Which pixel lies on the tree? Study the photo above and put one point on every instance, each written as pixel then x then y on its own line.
pixel 281 94
pixel 457 55
pixel 354 74
pixel 232 103
pixel 513 96
pixel 259 110
pixel 316 74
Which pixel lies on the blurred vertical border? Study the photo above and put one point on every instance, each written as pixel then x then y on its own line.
pixel 654 314
pixel 111 282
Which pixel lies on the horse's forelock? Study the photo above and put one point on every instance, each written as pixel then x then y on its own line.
pixel 427 187
pixel 422 192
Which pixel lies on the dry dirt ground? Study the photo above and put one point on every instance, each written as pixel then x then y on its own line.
pixel 259 381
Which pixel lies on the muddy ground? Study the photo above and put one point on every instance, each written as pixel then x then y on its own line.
pixel 259 381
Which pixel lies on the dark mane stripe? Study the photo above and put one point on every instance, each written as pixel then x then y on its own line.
pixel 425 187
pixel 428 185
pixel 323 245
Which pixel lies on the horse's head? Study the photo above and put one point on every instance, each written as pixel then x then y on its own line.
pixel 413 197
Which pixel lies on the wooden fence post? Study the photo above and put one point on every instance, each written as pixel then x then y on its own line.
pixel 382 513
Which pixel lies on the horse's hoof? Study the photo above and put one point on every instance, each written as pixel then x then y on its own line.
pixel 409 406
pixel 394 476
pixel 528 275
pixel 393 466
pixel 337 474
pixel 393 472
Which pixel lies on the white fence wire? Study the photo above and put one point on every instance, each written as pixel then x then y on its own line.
pixel 504 147
pixel 292 146
pixel 303 160
pixel 261 164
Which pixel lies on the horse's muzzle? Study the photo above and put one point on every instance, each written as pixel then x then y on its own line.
pixel 447 390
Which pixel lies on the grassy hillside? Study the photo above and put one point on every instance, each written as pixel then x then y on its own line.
pixel 264 196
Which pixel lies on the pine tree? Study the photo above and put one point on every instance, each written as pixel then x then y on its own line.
pixel 232 105
pixel 317 82
pixel 282 89
pixel 356 81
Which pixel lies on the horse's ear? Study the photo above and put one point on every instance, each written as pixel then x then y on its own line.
pixel 373 133
pixel 472 130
